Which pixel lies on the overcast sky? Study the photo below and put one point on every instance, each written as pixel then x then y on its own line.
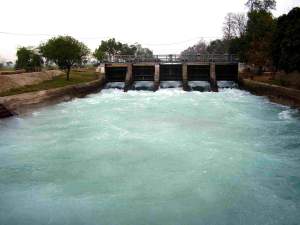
pixel 165 26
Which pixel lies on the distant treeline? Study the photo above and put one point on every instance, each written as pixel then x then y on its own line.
pixel 66 52
pixel 258 38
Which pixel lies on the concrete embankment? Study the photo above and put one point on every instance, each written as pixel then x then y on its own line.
pixel 278 94
pixel 22 103
pixel 12 81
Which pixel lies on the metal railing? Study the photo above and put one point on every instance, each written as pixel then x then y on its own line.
pixel 173 58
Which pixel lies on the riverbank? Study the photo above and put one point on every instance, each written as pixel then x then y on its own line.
pixel 22 103
pixel 276 93
pixel 16 81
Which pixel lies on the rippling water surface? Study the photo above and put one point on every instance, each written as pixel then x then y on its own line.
pixel 165 158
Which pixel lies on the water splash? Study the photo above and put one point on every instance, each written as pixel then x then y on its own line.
pixel 199 85
pixel 227 84
pixel 170 84
pixel 165 157
pixel 143 85
pixel 117 85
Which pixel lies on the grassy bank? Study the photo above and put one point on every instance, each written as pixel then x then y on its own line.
pixel 291 80
pixel 76 77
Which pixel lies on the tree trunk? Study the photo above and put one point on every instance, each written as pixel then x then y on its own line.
pixel 68 73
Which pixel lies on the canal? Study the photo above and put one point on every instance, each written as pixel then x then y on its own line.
pixel 167 157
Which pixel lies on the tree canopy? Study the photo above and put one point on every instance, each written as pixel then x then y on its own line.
pixel 64 51
pixel 265 5
pixel 28 59
pixel 258 37
pixel 286 41
pixel 107 49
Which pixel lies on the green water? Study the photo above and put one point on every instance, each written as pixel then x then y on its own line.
pixel 143 158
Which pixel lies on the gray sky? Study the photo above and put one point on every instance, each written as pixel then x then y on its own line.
pixel 165 26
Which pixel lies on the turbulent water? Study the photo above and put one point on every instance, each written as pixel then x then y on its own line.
pixel 167 158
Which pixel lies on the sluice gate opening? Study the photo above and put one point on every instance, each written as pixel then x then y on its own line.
pixel 170 72
pixel 195 72
pixel 115 74
pixel 198 72
pixel 143 73
pixel 227 72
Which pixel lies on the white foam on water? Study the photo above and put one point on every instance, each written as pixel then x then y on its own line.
pixel 227 84
pixel 199 84
pixel 170 84
pixel 117 85
pixel 288 114
pixel 165 157
pixel 143 84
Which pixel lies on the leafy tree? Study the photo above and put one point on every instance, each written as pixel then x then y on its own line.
pixel 9 63
pixel 265 5
pixel 127 50
pixel 217 47
pixel 28 59
pixel 107 49
pixel 99 54
pixel 199 48
pixel 258 38
pixel 237 46
pixel 64 51
pixel 142 52
pixel 286 41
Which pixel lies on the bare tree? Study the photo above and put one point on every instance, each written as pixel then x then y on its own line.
pixel 240 22
pixel 229 31
pixel 199 48
pixel 234 25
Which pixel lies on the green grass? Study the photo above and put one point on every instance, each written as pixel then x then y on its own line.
pixel 56 82
pixel 7 69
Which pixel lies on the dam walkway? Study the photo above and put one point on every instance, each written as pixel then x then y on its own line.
pixel 209 68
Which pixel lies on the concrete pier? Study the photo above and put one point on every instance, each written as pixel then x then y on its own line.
pixel 185 77
pixel 213 79
pixel 128 78
pixel 156 76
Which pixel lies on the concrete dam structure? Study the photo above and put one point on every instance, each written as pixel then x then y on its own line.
pixel 188 70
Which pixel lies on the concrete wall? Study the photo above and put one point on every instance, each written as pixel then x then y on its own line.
pixel 24 102
pixel 8 82
pixel 279 94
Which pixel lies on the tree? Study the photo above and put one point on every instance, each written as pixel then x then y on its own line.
pixel 65 52
pixel 142 52
pixel 199 48
pixel 240 23
pixel 107 49
pixel 265 5
pixel 217 47
pixel 28 59
pixel 9 63
pixel 234 25
pixel 258 38
pixel 286 41
pixel 229 30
